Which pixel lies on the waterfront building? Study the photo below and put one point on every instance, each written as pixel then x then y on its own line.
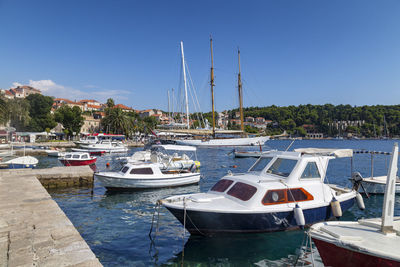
pixel 90 125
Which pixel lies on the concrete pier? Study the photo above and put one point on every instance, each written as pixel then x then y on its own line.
pixel 56 177
pixel 34 231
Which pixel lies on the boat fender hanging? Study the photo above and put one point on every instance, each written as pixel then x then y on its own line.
pixel 360 201
pixel 299 216
pixel 108 164
pixel 336 208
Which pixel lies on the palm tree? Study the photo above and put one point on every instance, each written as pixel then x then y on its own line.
pixel 116 121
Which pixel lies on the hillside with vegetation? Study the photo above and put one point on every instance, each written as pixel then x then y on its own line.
pixel 331 120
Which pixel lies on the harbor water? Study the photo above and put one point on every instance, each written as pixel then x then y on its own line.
pixel 116 225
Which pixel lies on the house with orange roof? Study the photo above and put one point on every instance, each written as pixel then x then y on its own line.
pixel 7 94
pixel 124 108
pixel 24 91
pixel 58 102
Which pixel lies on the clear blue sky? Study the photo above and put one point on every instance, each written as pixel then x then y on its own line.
pixel 292 52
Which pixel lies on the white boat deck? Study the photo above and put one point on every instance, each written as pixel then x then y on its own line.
pixel 363 236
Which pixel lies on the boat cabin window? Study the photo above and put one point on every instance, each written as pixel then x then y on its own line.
pixel 260 164
pixel 84 156
pixel 242 191
pixel 75 156
pixel 222 185
pixel 311 171
pixel 282 167
pixel 68 156
pixel 141 171
pixel 91 138
pixel 281 196
pixel 125 169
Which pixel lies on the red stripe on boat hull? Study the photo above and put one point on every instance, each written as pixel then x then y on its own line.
pixel 333 255
pixel 78 162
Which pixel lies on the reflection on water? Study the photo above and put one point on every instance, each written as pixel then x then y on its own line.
pixel 116 225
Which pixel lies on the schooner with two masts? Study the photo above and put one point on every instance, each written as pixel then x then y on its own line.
pixel 239 141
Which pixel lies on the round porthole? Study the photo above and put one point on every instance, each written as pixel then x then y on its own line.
pixel 275 196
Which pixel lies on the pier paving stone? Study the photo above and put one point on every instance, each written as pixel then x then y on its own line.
pixel 34 231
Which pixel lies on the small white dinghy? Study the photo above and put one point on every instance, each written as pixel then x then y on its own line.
pixel 147 175
pixel 18 162
pixel 366 242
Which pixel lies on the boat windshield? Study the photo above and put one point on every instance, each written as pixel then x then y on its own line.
pixel 124 169
pixel 260 164
pixel 282 167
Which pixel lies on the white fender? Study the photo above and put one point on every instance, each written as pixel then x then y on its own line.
pixel 360 201
pixel 336 208
pixel 299 216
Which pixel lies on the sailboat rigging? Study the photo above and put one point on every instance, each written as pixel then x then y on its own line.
pixel 243 141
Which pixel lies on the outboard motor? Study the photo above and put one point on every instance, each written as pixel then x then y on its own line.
pixel 357 180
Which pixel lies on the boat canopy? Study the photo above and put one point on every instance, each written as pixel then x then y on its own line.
pixel 338 153
pixel 176 147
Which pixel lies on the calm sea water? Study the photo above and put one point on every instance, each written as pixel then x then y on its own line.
pixel 116 225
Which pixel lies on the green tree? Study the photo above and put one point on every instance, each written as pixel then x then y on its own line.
pixel 4 112
pixel 110 103
pixel 18 113
pixel 117 121
pixel 70 118
pixel 39 111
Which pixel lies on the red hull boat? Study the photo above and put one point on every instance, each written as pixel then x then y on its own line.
pixel 333 255
pixel 77 159
pixel 366 242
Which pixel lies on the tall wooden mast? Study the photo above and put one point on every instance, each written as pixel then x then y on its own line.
pixel 212 88
pixel 240 96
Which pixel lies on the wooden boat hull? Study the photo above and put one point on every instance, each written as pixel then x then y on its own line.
pixel 210 223
pixel 348 257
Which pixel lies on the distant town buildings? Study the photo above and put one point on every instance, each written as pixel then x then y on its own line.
pixel 20 92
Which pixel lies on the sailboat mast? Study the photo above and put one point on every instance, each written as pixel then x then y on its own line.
pixel 184 82
pixel 169 100
pixel 172 105
pixel 212 88
pixel 240 96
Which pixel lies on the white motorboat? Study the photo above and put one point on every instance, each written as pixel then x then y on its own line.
pixel 250 154
pixel 161 154
pixel 13 162
pixel 146 175
pixel 107 146
pixel 90 139
pixel 374 184
pixel 366 242
pixel 282 190
pixel 54 153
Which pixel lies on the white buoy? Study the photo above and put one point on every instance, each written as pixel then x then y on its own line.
pixel 336 209
pixel 360 201
pixel 299 216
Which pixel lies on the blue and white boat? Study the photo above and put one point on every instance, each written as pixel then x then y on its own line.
pixel 13 162
pixel 282 190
